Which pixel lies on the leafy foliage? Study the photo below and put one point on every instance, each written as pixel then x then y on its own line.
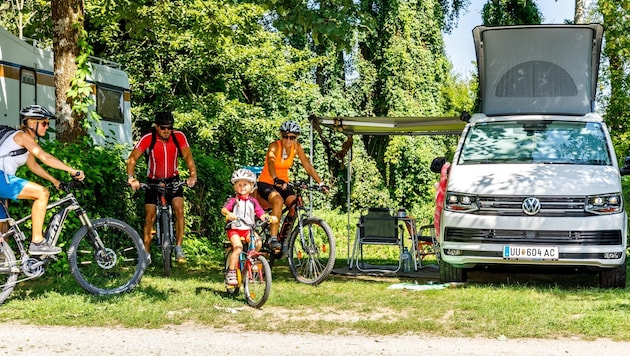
pixel 510 12
pixel 233 72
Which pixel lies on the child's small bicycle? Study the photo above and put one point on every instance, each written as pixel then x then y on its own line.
pixel 253 272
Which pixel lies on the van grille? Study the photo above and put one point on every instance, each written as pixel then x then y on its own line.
pixel 550 206
pixel 604 237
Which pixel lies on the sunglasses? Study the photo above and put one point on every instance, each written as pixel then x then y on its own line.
pixel 166 127
pixel 289 137
pixel 44 123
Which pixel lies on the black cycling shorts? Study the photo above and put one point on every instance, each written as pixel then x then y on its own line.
pixel 264 189
pixel 151 195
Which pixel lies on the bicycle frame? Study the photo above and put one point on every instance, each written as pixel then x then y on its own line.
pixel 71 204
pixel 300 210
pixel 254 272
pixel 105 255
pixel 164 225
pixel 164 208
pixel 310 245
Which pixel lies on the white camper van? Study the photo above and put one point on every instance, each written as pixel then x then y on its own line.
pixel 534 181
pixel 26 77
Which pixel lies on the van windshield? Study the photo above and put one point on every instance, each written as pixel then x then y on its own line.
pixel 550 141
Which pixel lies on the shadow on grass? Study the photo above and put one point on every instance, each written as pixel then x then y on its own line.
pixel 565 278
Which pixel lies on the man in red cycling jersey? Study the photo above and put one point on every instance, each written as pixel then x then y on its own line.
pixel 162 146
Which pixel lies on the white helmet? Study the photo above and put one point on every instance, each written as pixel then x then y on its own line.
pixel 243 174
pixel 290 127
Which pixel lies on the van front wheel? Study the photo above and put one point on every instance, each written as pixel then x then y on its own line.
pixel 449 273
pixel 613 277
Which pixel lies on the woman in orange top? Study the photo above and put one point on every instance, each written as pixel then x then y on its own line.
pixel 272 183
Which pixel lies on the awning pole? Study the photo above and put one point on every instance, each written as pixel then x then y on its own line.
pixel 349 174
pixel 310 179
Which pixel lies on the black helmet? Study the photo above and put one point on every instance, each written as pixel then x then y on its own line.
pixel 164 118
pixel 37 112
pixel 290 127
pixel 437 164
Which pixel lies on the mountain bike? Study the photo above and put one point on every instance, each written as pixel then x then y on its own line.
pixel 309 241
pixel 106 256
pixel 164 219
pixel 253 272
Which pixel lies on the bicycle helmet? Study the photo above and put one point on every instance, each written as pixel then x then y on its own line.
pixel 290 127
pixel 243 174
pixel 36 112
pixel 164 118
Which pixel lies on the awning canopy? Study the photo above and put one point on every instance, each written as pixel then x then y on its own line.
pixel 394 125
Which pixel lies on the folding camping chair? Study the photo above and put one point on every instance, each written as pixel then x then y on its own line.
pixel 425 243
pixel 378 227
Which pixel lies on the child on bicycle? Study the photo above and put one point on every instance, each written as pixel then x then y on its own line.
pixel 245 208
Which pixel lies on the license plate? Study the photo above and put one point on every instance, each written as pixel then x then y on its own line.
pixel 545 253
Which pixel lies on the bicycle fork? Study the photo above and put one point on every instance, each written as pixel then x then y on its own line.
pixel 94 240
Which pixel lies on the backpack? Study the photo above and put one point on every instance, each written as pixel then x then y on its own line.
pixel 5 132
pixel 152 144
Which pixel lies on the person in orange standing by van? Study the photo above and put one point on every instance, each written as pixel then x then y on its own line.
pixel 272 182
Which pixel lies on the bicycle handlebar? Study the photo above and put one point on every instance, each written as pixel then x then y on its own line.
pixel 304 185
pixel 257 224
pixel 73 184
pixel 164 186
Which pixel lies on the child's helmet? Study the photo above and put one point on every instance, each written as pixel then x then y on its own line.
pixel 290 127
pixel 243 174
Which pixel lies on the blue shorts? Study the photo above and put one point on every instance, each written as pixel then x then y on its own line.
pixel 11 186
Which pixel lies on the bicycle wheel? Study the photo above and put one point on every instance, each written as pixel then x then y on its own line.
pixel 118 268
pixel 9 271
pixel 232 290
pixel 167 243
pixel 257 282
pixel 312 254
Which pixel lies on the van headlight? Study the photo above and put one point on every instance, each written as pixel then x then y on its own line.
pixel 604 204
pixel 460 202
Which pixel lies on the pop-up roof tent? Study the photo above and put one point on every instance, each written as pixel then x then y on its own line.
pixel 415 126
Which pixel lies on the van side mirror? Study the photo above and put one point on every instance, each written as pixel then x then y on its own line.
pixel 625 170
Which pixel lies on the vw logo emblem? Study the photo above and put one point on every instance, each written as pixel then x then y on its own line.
pixel 531 206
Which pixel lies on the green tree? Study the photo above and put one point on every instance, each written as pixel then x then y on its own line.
pixel 617 52
pixel 510 12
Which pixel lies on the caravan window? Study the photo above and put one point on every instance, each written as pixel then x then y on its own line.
pixel 109 104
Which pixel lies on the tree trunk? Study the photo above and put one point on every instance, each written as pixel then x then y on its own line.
pixel 579 11
pixel 65 13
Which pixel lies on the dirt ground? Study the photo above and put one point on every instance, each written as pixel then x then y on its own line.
pixel 195 340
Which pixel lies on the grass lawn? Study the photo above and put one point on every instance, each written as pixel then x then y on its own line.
pixel 490 305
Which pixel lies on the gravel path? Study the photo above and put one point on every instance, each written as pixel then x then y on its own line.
pixel 195 340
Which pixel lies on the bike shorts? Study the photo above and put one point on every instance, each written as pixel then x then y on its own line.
pixel 151 195
pixel 264 189
pixel 243 234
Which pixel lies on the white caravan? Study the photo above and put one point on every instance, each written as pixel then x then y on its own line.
pixel 26 77
pixel 534 181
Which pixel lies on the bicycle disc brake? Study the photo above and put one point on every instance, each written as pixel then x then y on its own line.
pixel 106 258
